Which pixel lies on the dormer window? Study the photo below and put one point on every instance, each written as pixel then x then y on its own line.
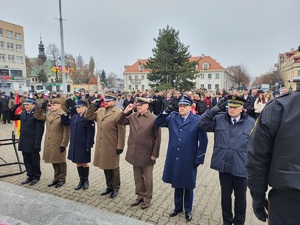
pixel 205 66
pixel 141 67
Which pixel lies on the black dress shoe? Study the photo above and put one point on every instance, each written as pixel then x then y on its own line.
pixel 53 183
pixel 175 212
pixel 113 193
pixel 59 184
pixel 107 191
pixel 188 216
pixel 33 182
pixel 28 180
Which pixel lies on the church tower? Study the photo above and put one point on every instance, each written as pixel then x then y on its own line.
pixel 42 57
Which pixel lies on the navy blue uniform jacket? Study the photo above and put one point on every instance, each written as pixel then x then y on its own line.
pixel 82 136
pixel 31 132
pixel 187 148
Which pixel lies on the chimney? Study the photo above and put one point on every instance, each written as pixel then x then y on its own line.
pixel 202 55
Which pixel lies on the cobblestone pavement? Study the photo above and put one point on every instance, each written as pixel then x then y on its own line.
pixel 206 209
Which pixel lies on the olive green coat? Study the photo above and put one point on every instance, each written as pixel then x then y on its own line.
pixel 110 136
pixel 56 135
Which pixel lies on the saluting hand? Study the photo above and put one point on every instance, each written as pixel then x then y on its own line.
pixel 129 108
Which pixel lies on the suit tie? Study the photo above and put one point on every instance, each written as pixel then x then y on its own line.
pixel 234 121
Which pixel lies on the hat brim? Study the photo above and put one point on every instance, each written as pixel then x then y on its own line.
pixel 184 103
pixel 234 105
pixel 77 106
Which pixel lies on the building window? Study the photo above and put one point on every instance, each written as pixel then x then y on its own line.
pixel 19 48
pixel 143 77
pixel 32 79
pixel 1 44
pixel 143 87
pixel 209 86
pixel 10 46
pixel 2 57
pixel 136 87
pixel 202 86
pixel 4 72
pixel 19 59
pixel 141 67
pixel 1 32
pixel 16 73
pixel 11 58
pixel 129 87
pixel 18 36
pixel 217 76
pixel 209 76
pixel 201 76
pixel 216 86
pixel 129 77
pixel 9 34
pixel 205 66
pixel 136 77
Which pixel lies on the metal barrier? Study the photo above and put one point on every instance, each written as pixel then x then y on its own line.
pixel 13 141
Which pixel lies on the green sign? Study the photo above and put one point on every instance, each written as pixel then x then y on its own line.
pixel 54 84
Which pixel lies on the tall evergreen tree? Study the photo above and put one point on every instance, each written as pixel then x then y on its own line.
pixel 103 77
pixel 91 66
pixel 170 66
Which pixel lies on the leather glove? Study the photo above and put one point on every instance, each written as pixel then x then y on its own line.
pixel 97 104
pixel 222 104
pixel 119 151
pixel 88 150
pixel 169 109
pixel 14 108
pixel 260 206
pixel 44 104
pixel 62 149
pixel 69 111
pixel 64 119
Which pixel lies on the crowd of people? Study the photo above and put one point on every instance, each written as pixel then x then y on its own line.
pixel 71 120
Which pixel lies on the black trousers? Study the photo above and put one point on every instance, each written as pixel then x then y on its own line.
pixel 283 210
pixel 230 183
pixel 32 165
pixel 5 114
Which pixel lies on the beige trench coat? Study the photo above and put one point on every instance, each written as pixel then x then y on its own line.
pixel 56 136
pixel 110 136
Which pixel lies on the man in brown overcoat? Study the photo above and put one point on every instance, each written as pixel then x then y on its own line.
pixel 110 142
pixel 143 148
pixel 56 140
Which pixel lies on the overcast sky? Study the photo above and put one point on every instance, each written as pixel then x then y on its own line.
pixel 118 32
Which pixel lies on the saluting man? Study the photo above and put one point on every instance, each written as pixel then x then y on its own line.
pixel 110 142
pixel 232 133
pixel 186 151
pixel 56 140
pixel 31 134
pixel 143 148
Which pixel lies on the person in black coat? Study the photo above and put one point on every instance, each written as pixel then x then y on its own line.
pixel 273 161
pixel 4 109
pixel 31 134
pixel 82 133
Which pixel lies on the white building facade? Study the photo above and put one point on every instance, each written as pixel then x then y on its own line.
pixel 210 75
